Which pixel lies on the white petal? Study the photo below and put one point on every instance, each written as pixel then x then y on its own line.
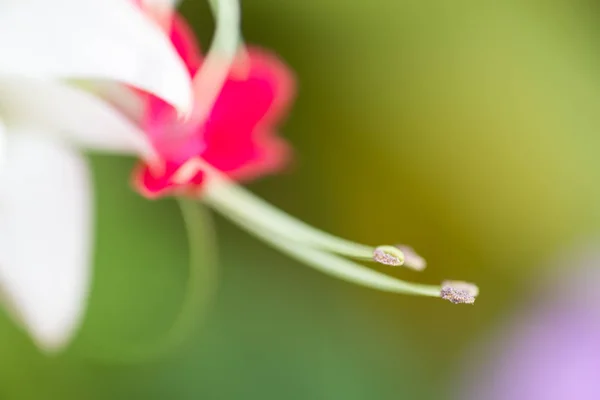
pixel 2 144
pixel 161 4
pixel 45 234
pixel 103 39
pixel 78 115
pixel 122 97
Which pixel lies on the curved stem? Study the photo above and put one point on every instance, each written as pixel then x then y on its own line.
pixel 201 285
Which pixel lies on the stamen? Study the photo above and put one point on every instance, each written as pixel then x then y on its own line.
pixel 388 255
pixel 459 292
pixel 411 259
pixel 228 197
pixel 334 265
pixel 316 248
pixel 216 66
pixel 187 171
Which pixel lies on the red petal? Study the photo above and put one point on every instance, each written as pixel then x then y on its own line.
pixel 154 182
pixel 170 136
pixel 158 182
pixel 185 43
pixel 240 137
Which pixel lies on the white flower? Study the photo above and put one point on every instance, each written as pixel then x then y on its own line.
pixel 46 210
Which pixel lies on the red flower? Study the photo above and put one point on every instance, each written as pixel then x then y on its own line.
pixel 238 137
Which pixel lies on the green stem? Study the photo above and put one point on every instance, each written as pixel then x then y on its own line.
pixel 200 290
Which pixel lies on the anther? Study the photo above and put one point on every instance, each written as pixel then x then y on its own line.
pixel 411 259
pixel 388 255
pixel 459 292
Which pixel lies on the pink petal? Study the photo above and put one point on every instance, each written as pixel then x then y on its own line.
pixel 157 181
pixel 240 137
pixel 153 185
pixel 184 41
pixel 161 121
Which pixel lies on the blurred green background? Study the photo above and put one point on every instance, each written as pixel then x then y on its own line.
pixel 465 129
